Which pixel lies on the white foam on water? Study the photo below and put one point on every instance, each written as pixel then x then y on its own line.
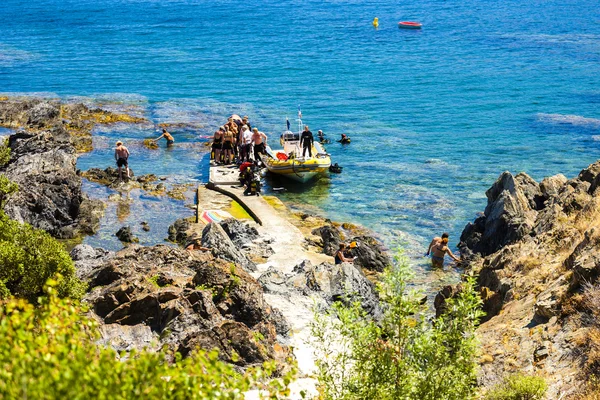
pixel 575 120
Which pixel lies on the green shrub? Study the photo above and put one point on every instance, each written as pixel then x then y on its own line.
pixel 519 387
pixel 404 356
pixel 4 153
pixel 50 352
pixel 28 257
pixel 7 188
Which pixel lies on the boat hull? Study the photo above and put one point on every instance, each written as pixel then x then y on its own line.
pixel 298 169
pixel 409 25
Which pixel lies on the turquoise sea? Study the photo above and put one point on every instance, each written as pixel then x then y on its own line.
pixel 434 115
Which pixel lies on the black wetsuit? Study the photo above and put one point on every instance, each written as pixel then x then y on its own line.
pixel 338 260
pixel 306 140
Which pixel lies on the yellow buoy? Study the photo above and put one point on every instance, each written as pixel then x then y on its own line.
pixel 376 22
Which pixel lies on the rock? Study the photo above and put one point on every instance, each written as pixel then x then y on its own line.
pixel 178 231
pixel 145 226
pixel 370 254
pixel 591 175
pixel 125 235
pixel 107 177
pixel 508 217
pixel 585 260
pixel 87 259
pixel 239 232
pixel 550 187
pixel 215 238
pixel 49 196
pixel 341 282
pixel 183 300
pixel 331 239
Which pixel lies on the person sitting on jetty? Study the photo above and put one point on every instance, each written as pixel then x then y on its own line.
pixel 438 251
pixel 339 255
pixel 306 141
pixel 217 144
pixel 228 145
pixel 259 145
pixel 121 156
pixel 166 135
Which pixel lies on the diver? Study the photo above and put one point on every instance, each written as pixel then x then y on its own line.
pixel 322 138
pixel 344 139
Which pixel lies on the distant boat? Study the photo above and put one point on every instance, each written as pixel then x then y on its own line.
pixel 409 25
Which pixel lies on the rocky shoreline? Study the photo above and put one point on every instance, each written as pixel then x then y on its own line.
pixel 536 254
pixel 165 297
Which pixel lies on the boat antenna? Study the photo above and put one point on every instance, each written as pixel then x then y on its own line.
pixel 299 120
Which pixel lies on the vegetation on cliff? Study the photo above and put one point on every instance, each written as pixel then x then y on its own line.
pixel 402 356
pixel 49 351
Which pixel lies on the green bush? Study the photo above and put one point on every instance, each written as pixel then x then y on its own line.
pixel 519 387
pixel 7 188
pixel 50 352
pixel 28 257
pixel 4 153
pixel 403 356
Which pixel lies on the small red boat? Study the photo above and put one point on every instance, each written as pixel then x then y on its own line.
pixel 409 25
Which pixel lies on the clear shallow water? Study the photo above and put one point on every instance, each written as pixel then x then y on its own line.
pixel 434 115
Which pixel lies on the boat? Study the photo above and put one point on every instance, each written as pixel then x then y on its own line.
pixel 289 161
pixel 409 25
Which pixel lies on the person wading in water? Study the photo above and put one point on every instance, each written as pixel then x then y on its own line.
pixel 166 135
pixel 439 250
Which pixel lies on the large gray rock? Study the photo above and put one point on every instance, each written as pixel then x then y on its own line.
pixel 341 282
pixel 181 300
pixel 43 164
pixel 509 215
pixel 331 238
pixel 215 238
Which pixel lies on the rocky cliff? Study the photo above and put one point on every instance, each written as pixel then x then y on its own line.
pixel 536 253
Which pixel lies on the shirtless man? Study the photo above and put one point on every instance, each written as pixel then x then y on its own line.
pixel 438 250
pixel 259 145
pixel 121 156
pixel 167 136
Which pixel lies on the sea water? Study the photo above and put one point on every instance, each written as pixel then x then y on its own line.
pixel 435 115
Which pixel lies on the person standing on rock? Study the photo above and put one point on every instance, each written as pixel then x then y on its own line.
pixel 121 156
pixel 166 135
pixel 438 251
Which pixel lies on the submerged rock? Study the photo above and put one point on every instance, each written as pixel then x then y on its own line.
pixel 125 235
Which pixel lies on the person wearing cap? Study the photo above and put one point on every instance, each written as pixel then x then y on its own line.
pixel 121 156
pixel 167 136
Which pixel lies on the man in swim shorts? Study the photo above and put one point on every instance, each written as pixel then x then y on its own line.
pixel 259 145
pixel 121 156
pixel 438 249
pixel 167 136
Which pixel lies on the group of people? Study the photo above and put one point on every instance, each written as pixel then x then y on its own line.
pixel 237 139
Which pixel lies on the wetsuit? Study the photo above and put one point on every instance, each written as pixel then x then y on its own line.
pixel 306 140
pixel 169 138
pixel 337 258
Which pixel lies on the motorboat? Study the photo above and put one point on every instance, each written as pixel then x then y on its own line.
pixel 289 161
pixel 409 25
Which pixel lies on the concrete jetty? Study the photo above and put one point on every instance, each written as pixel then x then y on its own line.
pixel 287 244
